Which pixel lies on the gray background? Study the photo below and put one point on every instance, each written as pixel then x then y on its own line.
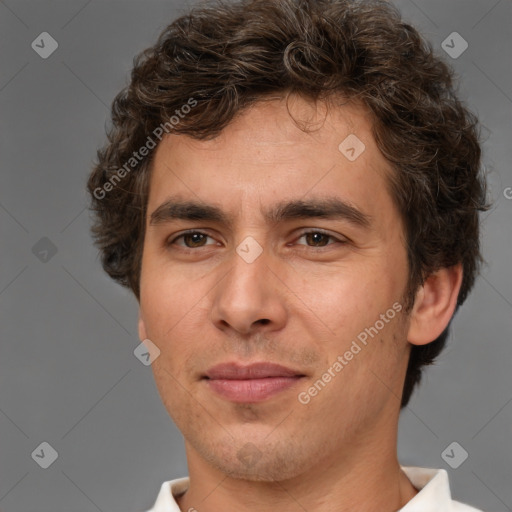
pixel 68 375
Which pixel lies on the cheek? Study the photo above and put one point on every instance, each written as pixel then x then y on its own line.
pixel 166 294
pixel 362 307
pixel 175 310
pixel 346 300
pixel 162 308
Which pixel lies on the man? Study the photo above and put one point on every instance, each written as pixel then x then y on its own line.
pixel 291 189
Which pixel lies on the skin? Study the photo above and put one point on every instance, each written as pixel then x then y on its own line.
pixel 203 305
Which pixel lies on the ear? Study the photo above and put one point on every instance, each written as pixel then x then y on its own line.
pixel 142 328
pixel 434 305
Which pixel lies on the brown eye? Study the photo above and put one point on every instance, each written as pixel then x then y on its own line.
pixel 318 239
pixel 190 240
pixel 194 239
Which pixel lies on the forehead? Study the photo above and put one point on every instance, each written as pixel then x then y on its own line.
pixel 293 125
pixel 276 150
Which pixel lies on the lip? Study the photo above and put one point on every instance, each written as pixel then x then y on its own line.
pixel 261 370
pixel 251 383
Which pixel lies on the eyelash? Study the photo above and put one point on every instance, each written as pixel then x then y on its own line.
pixel 304 233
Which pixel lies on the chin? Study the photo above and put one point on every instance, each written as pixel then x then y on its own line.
pixel 262 463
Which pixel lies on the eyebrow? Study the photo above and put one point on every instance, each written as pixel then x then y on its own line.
pixel 325 208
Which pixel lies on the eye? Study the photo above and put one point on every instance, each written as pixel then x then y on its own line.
pixel 318 238
pixel 190 239
pixel 198 239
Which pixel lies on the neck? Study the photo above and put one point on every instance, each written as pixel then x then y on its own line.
pixel 367 479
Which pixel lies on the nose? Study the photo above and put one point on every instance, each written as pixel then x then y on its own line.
pixel 250 297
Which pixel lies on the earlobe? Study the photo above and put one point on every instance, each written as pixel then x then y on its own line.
pixel 434 305
pixel 142 328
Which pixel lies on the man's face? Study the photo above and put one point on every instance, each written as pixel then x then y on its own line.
pixel 267 282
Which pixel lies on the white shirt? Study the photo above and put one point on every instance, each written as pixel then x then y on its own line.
pixel 433 496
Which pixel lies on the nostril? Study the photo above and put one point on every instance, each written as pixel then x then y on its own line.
pixel 264 321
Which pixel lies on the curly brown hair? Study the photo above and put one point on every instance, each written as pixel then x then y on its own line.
pixel 222 57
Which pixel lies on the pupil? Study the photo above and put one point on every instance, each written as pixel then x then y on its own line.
pixel 195 238
pixel 316 238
